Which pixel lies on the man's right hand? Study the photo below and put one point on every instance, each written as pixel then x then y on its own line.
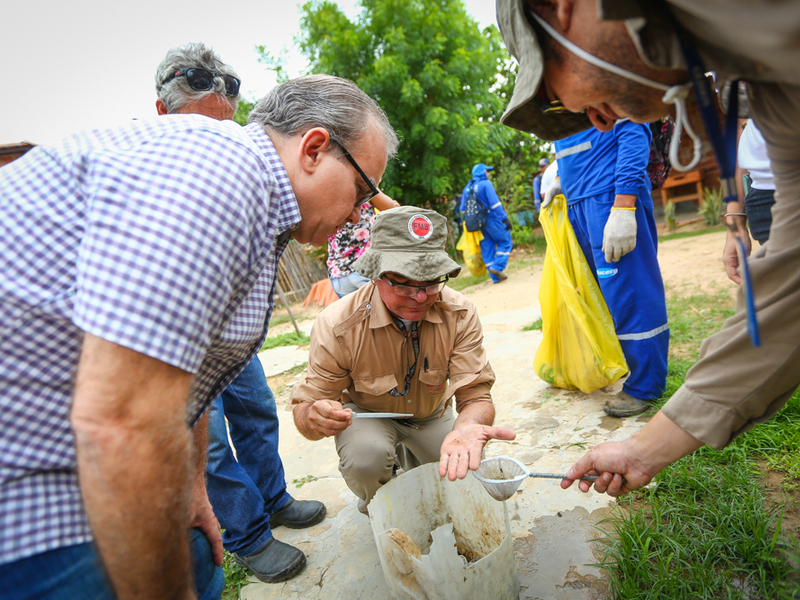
pixel 323 418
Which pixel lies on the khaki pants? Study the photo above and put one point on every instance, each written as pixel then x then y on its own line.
pixel 736 385
pixel 369 448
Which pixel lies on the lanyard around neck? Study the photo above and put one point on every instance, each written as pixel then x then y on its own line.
pixel 414 335
pixel 724 145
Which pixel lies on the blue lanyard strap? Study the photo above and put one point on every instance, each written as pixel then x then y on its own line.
pixel 724 147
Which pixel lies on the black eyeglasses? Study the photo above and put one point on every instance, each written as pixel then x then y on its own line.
pixel 373 190
pixel 202 80
pixel 403 289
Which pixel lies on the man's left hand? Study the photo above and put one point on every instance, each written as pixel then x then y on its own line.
pixel 619 235
pixel 462 448
pixel 507 224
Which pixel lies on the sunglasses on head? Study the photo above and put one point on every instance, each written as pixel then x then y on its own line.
pixel 202 80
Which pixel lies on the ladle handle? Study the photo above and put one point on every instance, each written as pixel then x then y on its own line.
pixel 555 476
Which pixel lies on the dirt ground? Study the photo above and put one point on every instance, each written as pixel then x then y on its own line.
pixel 688 265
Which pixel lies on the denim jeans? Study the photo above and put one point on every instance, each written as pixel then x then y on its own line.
pixel 75 573
pixel 758 206
pixel 245 492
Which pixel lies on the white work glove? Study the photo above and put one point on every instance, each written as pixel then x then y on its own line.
pixel 619 235
pixel 554 191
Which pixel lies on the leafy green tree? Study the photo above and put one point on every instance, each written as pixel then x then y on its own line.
pixel 244 108
pixel 434 72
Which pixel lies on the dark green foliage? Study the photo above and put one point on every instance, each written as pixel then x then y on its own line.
pixel 442 82
pixel 242 111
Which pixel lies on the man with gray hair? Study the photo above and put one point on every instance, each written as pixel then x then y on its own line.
pixel 247 491
pixel 193 79
pixel 125 259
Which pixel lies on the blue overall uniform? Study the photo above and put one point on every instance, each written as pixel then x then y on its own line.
pixel 594 167
pixel 496 244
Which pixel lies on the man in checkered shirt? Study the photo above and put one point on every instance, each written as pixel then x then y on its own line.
pixel 125 255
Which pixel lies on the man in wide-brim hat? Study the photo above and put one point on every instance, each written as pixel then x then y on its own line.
pixel 405 344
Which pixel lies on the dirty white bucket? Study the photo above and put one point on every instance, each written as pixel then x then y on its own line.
pixel 443 540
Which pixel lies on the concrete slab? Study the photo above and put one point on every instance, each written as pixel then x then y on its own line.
pixel 281 359
pixel 552 528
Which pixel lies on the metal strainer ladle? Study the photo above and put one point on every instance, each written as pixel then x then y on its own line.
pixel 502 476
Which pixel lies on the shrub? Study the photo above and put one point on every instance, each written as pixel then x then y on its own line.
pixel 712 206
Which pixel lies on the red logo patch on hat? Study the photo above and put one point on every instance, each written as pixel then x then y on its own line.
pixel 420 227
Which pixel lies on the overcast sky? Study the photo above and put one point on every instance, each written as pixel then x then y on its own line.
pixel 68 66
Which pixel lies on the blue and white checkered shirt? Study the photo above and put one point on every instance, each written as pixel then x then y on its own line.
pixel 151 236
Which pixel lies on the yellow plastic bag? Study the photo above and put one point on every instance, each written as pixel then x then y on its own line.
pixel 470 245
pixel 580 349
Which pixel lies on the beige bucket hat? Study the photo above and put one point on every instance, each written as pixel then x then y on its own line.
pixel 409 241
pixel 524 112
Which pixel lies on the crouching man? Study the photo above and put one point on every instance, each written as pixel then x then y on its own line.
pixel 404 344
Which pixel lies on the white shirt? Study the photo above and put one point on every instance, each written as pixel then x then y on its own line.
pixel 752 157
pixel 549 177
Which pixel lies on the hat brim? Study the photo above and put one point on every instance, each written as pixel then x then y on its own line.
pixel 415 266
pixel 524 111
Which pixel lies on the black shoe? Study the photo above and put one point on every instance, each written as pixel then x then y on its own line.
pixel 499 274
pixel 274 562
pixel 625 405
pixel 298 514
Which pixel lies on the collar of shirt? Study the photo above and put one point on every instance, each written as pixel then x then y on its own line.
pixel 289 211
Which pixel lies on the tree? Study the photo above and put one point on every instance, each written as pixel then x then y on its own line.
pixel 244 108
pixel 434 72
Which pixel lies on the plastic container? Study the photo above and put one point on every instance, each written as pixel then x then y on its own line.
pixel 443 540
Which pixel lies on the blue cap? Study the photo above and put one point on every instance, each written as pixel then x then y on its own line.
pixel 480 169
pixel 543 162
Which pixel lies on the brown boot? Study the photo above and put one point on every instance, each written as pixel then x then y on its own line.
pixel 625 405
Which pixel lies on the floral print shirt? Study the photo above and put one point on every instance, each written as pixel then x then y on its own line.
pixel 350 242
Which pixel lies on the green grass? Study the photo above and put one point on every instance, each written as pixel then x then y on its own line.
pixel 235 577
pixel 286 339
pixel 465 280
pixel 276 320
pixel 537 325
pixel 705 529
pixel 523 261
pixel 688 234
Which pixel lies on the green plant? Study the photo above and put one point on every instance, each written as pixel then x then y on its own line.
pixel 524 235
pixel 669 216
pixel 712 206
pixel 286 339
pixel 537 324
pixel 298 483
pixel 235 577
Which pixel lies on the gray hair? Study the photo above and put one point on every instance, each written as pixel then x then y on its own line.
pixel 333 103
pixel 177 93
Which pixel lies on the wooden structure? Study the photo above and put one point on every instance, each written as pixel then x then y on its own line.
pixel 297 273
pixel 681 187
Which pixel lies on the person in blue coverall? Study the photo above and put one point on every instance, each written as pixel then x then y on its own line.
pixel 537 184
pixel 496 243
pixel 604 178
